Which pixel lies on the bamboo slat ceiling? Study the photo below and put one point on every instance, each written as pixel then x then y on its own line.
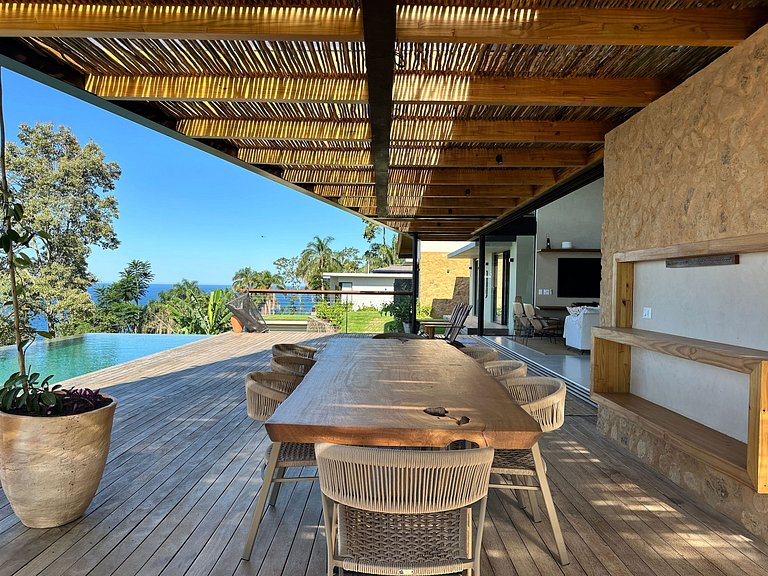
pixel 492 103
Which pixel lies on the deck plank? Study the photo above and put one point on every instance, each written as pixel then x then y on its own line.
pixel 184 471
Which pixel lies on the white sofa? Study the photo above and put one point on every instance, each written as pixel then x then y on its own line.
pixel 578 328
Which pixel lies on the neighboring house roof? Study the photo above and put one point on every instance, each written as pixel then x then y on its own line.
pixel 394 269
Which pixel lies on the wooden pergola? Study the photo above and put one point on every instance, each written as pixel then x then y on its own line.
pixel 437 118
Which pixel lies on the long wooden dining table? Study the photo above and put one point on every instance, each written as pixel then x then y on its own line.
pixel 373 392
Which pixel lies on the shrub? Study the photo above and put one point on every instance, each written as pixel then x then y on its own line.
pixel 335 313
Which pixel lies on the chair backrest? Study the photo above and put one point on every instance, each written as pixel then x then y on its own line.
pixel 481 354
pixel 530 311
pixel 517 309
pixel 245 310
pixel 542 397
pixel 403 481
pixel 265 391
pixel 294 350
pixel 506 368
pixel 461 317
pixel 295 365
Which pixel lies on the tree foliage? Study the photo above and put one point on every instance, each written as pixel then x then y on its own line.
pixel 118 307
pixel 64 188
pixel 316 258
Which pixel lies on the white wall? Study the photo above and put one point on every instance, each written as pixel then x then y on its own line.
pixel 577 218
pixel 700 303
pixel 374 284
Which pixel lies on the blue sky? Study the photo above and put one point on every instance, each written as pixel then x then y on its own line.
pixel 191 214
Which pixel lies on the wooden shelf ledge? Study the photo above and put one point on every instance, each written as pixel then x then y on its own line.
pixel 719 451
pixel 736 358
pixel 589 250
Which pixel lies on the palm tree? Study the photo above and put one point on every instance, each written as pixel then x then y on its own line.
pixel 316 258
pixel 246 278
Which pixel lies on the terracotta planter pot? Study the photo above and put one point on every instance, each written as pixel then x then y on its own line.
pixel 50 468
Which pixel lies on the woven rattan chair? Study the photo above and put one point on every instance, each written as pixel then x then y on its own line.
pixel 264 392
pixel 544 399
pixel 506 368
pixel 481 354
pixel 402 511
pixel 294 350
pixel 295 365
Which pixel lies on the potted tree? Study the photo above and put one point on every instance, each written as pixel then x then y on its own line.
pixel 53 442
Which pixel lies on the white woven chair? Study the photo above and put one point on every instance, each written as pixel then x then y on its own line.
pixel 481 354
pixel 544 399
pixel 402 511
pixel 294 350
pixel 506 368
pixel 264 392
pixel 295 365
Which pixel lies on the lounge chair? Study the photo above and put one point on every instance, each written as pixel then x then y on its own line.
pixel 247 314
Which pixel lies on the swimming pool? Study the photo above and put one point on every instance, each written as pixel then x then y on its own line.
pixel 71 356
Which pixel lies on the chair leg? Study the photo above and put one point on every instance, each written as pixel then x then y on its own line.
pixel 533 504
pixel 261 501
pixel 475 570
pixel 541 474
pixel 279 475
pixel 330 532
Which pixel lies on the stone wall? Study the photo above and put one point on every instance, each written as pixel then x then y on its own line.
pixel 315 324
pixel 443 282
pixel 694 164
pixel 721 492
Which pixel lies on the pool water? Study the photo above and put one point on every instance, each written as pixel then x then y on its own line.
pixel 76 355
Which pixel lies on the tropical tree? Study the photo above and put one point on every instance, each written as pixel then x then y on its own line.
pixel 65 189
pixel 118 307
pixel 246 278
pixel 348 259
pixel 287 269
pixel 316 258
pixel 202 315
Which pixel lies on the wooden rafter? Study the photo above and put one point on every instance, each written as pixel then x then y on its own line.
pixel 443 176
pixel 574 26
pixel 448 192
pixel 314 24
pixel 577 26
pixel 411 131
pixel 421 157
pixel 408 89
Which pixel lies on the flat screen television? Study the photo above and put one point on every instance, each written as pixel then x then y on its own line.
pixel 578 277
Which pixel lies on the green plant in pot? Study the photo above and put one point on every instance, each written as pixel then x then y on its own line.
pixel 53 441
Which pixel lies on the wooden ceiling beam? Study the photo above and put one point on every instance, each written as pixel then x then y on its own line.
pixel 421 212
pixel 408 89
pixel 412 132
pixel 462 191
pixel 379 32
pixel 312 24
pixel 421 157
pixel 228 89
pixel 432 202
pixel 432 24
pixel 426 177
pixel 578 26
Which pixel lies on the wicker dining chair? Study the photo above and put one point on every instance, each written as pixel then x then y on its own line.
pixel 295 365
pixel 506 368
pixel 299 350
pixel 264 392
pixel 403 511
pixel 481 354
pixel 544 399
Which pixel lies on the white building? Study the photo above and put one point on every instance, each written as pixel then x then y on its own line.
pixel 380 280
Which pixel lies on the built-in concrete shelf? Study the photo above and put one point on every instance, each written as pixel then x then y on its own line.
pixel 589 250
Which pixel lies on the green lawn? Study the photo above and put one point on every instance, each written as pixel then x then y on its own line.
pixel 366 321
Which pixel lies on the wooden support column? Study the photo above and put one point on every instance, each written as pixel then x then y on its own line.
pixel 481 287
pixel 379 25
pixel 414 282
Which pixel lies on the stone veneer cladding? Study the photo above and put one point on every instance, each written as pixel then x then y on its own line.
pixel 443 282
pixel 691 166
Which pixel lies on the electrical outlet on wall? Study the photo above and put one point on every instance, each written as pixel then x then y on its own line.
pixel 647 312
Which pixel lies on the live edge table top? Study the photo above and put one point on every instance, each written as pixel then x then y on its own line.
pixel 374 392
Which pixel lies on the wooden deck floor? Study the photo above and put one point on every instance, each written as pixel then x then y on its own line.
pixel 182 478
